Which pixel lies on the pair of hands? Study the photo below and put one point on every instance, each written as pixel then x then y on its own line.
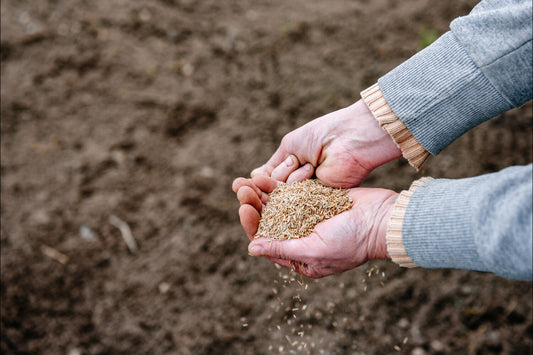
pixel 340 149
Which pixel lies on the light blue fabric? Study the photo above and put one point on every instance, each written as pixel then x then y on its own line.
pixel 479 69
pixel 482 223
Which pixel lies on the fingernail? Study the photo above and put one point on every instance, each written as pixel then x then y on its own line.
pixel 307 166
pixel 256 250
pixel 289 161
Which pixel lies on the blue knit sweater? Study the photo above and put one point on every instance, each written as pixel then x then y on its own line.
pixel 479 69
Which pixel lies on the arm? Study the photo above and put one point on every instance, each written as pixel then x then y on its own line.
pixel 424 104
pixel 482 223
pixel 479 69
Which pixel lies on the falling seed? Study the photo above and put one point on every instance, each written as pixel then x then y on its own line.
pixel 54 254
pixel 164 287
pixel 87 233
pixel 397 348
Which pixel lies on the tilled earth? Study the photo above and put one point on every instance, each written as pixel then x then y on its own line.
pixel 146 111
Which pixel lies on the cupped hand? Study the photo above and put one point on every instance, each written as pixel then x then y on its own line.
pixel 338 244
pixel 341 148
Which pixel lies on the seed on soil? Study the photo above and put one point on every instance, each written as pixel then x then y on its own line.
pixel 294 209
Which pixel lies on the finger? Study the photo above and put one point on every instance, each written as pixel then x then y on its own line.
pixel 247 195
pixel 265 183
pixel 303 173
pixel 249 220
pixel 240 182
pixel 291 249
pixel 283 170
pixel 262 171
pixel 277 158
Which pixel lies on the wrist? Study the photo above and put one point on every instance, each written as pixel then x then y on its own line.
pixel 410 148
pixel 380 238
pixel 394 236
pixel 383 147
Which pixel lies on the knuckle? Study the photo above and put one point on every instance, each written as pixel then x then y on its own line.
pixel 276 250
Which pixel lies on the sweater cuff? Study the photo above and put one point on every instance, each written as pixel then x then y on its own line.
pixel 411 149
pixel 395 247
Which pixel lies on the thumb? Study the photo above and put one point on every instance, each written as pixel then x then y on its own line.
pixel 277 158
pixel 284 249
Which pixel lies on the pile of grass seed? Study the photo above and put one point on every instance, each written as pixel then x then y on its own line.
pixel 294 209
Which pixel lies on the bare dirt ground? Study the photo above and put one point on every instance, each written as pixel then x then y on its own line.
pixel 147 111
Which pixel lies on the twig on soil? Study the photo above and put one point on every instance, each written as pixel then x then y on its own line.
pixel 125 231
pixel 54 254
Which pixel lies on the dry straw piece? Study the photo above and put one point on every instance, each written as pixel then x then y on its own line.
pixel 294 209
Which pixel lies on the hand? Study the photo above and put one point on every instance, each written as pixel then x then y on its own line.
pixel 341 148
pixel 338 244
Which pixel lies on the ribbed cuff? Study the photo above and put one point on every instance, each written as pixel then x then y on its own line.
pixel 415 154
pixel 395 246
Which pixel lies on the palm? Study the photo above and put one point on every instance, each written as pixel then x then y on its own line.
pixel 338 244
pixel 349 239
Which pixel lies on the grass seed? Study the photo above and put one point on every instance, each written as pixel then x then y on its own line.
pixel 294 209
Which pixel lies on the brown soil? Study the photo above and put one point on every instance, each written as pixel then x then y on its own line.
pixel 147 111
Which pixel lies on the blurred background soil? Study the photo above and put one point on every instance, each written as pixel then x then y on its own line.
pixel 147 110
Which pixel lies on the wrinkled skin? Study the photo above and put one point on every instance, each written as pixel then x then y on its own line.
pixel 338 244
pixel 341 149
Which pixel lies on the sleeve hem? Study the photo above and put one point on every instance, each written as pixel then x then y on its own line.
pixel 395 247
pixel 411 149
